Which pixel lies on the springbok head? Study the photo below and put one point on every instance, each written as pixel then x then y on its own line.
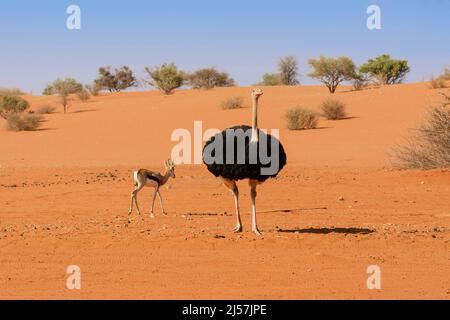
pixel 170 167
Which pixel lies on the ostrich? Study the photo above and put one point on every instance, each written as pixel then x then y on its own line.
pixel 242 146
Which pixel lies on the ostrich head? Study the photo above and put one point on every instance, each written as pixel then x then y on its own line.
pixel 256 93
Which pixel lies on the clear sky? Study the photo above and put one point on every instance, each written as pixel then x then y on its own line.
pixel 243 37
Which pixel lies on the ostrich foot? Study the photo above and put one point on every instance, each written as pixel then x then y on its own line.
pixel 238 229
pixel 152 215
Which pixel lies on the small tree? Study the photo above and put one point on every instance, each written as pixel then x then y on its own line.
pixel 115 81
pixel 386 70
pixel 332 71
pixel 270 79
pixel 63 88
pixel 12 105
pixel 166 77
pixel 94 89
pixel 209 78
pixel 288 71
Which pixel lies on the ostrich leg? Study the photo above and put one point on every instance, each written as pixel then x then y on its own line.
pixel 253 184
pixel 231 185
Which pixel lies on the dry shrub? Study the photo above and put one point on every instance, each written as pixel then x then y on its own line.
pixel 438 83
pixel 429 147
pixel 298 118
pixel 23 122
pixel 11 92
pixel 333 109
pixel 232 103
pixel 84 96
pixel 166 78
pixel 93 89
pixel 46 109
pixel 209 78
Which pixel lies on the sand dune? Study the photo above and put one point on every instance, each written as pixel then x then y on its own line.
pixel 336 208
pixel 125 128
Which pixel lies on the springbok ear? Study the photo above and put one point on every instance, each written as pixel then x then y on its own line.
pixel 171 163
pixel 166 164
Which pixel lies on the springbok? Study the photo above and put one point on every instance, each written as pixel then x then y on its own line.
pixel 145 178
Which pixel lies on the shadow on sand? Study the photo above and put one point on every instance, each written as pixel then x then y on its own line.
pixel 329 230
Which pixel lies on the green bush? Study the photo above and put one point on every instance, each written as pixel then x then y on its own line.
pixel 270 79
pixel 209 78
pixel 333 109
pixel 115 81
pixel 166 78
pixel 23 122
pixel 46 109
pixel 12 104
pixel 298 118
pixel 232 103
pixel 386 70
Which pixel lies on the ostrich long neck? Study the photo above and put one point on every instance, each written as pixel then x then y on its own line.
pixel 255 137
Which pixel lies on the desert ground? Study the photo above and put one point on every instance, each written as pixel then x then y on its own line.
pixel 337 207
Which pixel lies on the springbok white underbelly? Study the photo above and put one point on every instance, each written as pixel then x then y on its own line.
pixel 151 183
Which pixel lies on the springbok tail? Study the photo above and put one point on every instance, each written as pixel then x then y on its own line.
pixel 135 176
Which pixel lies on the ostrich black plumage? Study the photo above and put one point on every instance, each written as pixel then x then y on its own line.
pixel 236 162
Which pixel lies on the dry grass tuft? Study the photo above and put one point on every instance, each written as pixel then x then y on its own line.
pixel 232 103
pixel 46 109
pixel 333 109
pixel 23 122
pixel 429 147
pixel 298 118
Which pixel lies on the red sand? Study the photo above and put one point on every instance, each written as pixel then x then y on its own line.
pixel 64 197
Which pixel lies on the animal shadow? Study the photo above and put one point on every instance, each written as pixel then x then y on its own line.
pixel 329 230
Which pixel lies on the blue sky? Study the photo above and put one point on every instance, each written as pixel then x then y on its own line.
pixel 244 38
